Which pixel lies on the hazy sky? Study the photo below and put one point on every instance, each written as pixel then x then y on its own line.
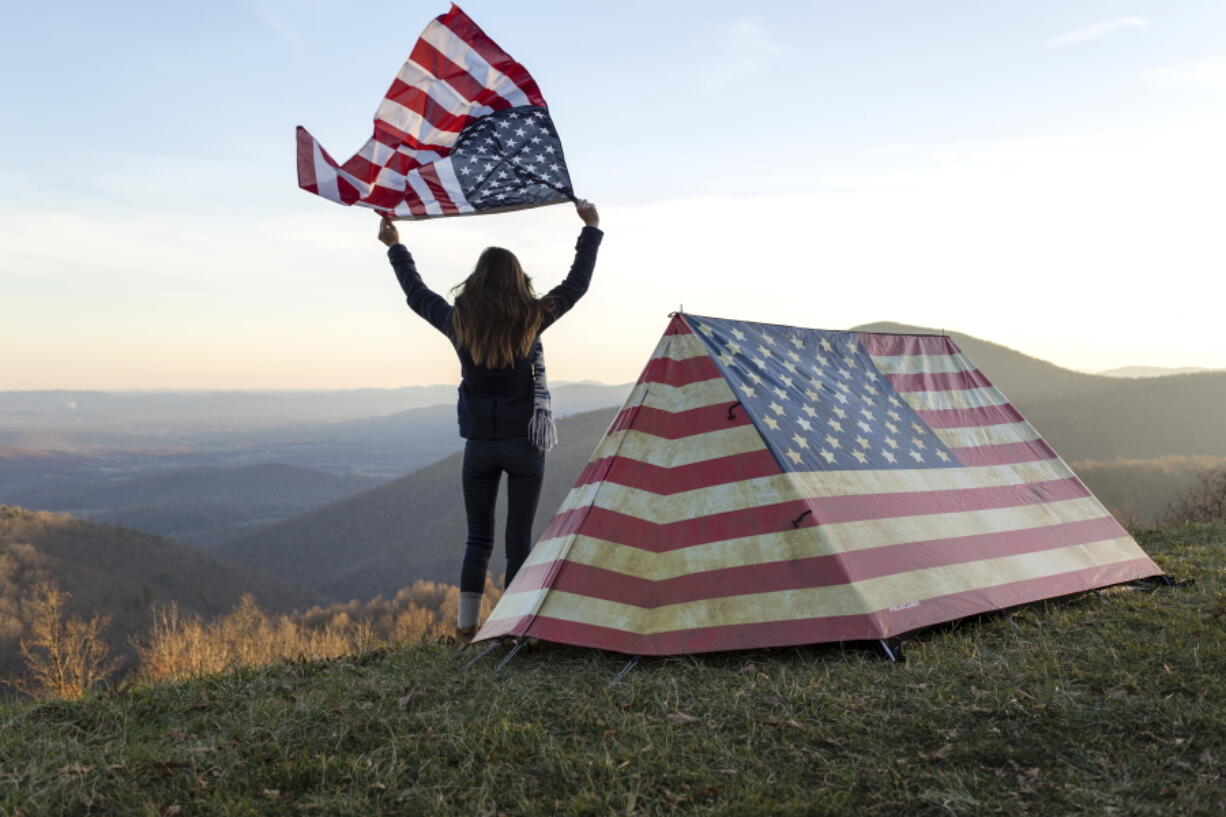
pixel 1047 174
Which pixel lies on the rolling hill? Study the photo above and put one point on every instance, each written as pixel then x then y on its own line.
pixel 119 572
pixel 411 528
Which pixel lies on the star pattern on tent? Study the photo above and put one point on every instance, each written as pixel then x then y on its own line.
pixel 819 400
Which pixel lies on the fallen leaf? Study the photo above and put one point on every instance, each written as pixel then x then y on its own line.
pixel 172 811
pixel 681 717
pixel 271 794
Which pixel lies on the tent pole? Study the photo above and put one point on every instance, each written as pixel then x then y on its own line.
pixel 519 645
pixel 489 649
pixel 634 659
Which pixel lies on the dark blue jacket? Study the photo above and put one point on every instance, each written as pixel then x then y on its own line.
pixel 495 404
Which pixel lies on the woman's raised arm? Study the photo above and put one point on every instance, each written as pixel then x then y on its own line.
pixel 422 300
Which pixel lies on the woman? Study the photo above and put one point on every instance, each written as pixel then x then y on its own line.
pixel 495 327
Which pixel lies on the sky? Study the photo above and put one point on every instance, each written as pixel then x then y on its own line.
pixel 1048 175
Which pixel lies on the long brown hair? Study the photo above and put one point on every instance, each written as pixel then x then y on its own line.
pixel 497 314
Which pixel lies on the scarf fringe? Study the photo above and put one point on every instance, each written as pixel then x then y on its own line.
pixel 542 432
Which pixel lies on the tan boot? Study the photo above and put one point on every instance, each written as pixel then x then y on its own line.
pixel 463 635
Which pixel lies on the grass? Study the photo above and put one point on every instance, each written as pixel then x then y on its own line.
pixel 1108 704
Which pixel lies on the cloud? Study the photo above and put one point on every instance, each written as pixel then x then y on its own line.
pixel 1094 32
pixel 1209 72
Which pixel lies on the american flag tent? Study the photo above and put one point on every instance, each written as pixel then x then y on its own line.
pixel 768 485
pixel 463 129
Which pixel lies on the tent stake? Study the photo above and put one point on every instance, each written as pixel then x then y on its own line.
pixel 894 654
pixel 489 649
pixel 621 673
pixel 519 645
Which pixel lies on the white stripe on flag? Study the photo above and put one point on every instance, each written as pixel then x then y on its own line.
pixel 422 189
pixel 325 175
pixel 462 54
pixel 446 174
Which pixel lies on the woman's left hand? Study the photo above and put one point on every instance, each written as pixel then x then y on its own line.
pixel 388 233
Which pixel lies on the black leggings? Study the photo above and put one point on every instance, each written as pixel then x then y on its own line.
pixel 484 462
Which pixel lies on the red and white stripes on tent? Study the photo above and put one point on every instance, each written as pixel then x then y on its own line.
pixel 454 77
pixel 689 531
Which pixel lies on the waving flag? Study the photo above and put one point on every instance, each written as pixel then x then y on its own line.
pixel 463 129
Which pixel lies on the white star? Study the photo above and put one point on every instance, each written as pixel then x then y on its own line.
pixel 732 348
pixel 785 380
pixel 835 424
pixel 944 457
pixel 738 334
pixel 865 427
pixel 918 443
pixel 706 330
pixel 829 456
pixel 888 454
pixel 823 361
pixel 759 362
pixel 871 376
pixel 917 428
pixel 825 344
pixel 466 171
pixel 871 389
pixel 860 456
pixel 842 413
pixel 793 456
pixel 790 366
pixel 868 415
pixel 793 356
pixel 842 398
pixel 843 387
pixel 549 148
pixel 894 401
pixel 849 360
pixel 778 409
pixel 805 424
pixel 917 456
pixel 834 442
pixel 891 442
pixel 489 167
pixel 771 421
pixel 769 339
pixel 893 428
pixel 812 395
pixel 765 352
pixel 748 391
pixel 754 376
pixel 797 342
pixel 783 395
pixel 846 374
pixel 809 410
pixel 520 132
pixel 555 167
pixel 726 359
pixel 894 415
pixel 800 441
pixel 861 441
pixel 504 124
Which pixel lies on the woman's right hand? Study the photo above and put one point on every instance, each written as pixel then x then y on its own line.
pixel 587 212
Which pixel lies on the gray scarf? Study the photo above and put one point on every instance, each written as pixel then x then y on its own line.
pixel 541 431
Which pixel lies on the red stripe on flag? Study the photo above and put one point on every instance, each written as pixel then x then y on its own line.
pixel 1005 453
pixel 680 372
pixel 864 627
pixel 678 326
pixel 939 381
pixel 419 102
pixel 906 344
pixel 465 84
pixel 306 160
pixel 348 193
pixel 968 417
pixel 612 526
pixel 463 27
pixel 675 425
pixel 383 197
pixel 429 174
pixel 668 481
pixel 393 136
pixel 817 571
pixel 362 168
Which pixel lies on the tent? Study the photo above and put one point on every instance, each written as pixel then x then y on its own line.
pixel 769 485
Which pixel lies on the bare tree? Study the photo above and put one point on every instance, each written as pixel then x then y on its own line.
pixel 65 656
pixel 1203 501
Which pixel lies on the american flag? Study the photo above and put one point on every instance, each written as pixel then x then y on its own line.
pixel 767 485
pixel 462 130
